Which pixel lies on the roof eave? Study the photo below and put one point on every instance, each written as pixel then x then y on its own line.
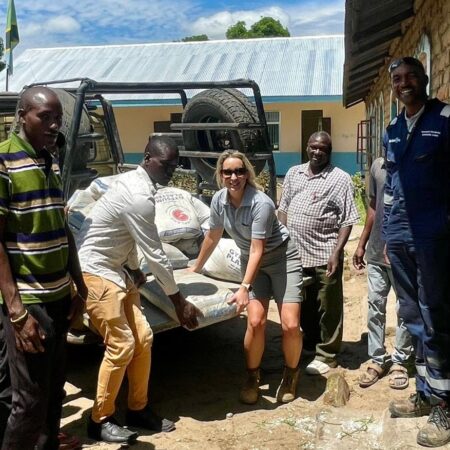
pixel 370 29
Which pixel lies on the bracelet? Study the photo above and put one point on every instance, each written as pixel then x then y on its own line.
pixel 20 318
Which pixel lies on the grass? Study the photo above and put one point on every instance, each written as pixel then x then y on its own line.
pixel 360 196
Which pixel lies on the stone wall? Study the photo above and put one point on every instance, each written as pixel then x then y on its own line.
pixel 433 18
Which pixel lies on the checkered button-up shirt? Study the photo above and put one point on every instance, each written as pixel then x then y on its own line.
pixel 317 206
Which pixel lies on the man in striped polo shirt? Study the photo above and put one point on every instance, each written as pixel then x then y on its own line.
pixel 39 261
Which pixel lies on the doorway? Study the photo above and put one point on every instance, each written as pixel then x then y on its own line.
pixel 312 121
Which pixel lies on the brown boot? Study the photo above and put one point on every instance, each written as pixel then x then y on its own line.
pixel 250 391
pixel 415 406
pixel 288 386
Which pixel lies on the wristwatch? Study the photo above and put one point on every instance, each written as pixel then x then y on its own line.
pixel 247 286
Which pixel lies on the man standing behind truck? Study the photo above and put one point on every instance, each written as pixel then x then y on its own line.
pixel 38 261
pixel 318 208
pixel 121 219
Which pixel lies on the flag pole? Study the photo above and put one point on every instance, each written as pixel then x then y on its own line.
pixel 12 38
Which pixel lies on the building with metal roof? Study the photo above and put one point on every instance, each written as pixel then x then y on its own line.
pixel 300 80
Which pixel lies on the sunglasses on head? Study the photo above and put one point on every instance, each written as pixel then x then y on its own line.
pixel 407 60
pixel 240 172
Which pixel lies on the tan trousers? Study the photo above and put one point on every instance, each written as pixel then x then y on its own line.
pixel 116 313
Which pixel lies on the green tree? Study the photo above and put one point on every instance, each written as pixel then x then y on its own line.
pixel 265 27
pixel 237 31
pixel 268 27
pixel 196 37
pixel 2 51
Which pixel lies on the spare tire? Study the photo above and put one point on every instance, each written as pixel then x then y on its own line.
pixel 221 105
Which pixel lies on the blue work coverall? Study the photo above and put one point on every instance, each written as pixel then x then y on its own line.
pixel 416 229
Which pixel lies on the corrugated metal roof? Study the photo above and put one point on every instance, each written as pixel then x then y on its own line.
pixel 370 29
pixel 298 66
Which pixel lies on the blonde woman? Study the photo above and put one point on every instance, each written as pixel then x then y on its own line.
pixel 270 267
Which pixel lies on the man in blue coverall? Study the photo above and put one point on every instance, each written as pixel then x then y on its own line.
pixel 416 229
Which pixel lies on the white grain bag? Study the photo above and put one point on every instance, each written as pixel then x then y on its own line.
pixel 209 296
pixel 79 205
pixel 224 262
pixel 82 201
pixel 100 185
pixel 177 259
pixel 179 215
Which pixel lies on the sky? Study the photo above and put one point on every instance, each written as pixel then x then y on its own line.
pixel 58 23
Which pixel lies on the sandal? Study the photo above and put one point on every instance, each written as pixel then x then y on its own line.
pixel 373 373
pixel 398 377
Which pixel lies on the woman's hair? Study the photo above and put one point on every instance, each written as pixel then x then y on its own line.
pixel 251 177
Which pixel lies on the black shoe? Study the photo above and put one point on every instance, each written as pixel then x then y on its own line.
pixel 110 431
pixel 146 418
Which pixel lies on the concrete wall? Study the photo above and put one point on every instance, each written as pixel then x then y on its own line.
pixel 432 18
pixel 136 124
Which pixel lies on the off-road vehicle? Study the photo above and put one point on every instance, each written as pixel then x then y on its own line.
pixel 217 118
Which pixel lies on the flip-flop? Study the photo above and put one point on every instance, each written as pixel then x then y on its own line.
pixel 398 377
pixel 373 373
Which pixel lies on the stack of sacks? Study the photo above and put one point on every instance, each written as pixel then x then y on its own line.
pixel 181 219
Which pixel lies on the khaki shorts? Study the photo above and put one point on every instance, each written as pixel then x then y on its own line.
pixel 279 276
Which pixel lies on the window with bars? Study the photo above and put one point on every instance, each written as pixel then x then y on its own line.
pixel 273 125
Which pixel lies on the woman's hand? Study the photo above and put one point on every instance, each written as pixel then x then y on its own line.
pixel 240 298
pixel 194 269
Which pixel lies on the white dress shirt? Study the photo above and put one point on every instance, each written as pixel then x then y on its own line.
pixel 121 219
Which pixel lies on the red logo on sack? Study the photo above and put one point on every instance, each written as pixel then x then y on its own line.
pixel 180 215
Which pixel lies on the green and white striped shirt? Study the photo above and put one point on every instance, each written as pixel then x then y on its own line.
pixel 31 199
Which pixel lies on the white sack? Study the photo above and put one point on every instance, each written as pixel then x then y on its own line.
pixel 177 259
pixel 179 215
pixel 209 296
pixel 224 262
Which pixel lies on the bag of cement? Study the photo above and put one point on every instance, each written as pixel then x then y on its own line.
pixel 224 262
pixel 175 256
pixel 179 215
pixel 79 205
pixel 100 185
pixel 82 201
pixel 209 296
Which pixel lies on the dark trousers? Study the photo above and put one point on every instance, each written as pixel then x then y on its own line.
pixel 322 314
pixel 37 381
pixel 5 384
pixel 422 279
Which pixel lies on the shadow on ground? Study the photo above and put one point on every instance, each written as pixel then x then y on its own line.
pixel 198 374
pixel 353 354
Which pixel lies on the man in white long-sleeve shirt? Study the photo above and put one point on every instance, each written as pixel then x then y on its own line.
pixel 121 219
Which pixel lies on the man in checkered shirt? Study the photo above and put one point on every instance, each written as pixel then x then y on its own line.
pixel 318 208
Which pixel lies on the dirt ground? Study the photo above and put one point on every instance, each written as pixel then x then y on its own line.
pixel 196 378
